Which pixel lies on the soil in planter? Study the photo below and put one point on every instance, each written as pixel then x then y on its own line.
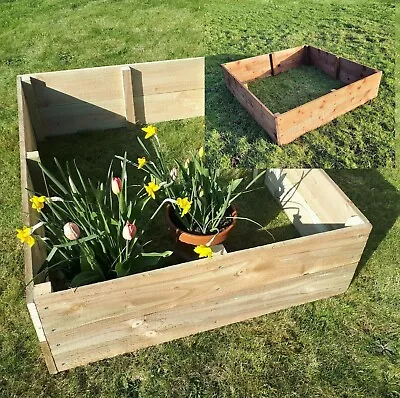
pixel 293 88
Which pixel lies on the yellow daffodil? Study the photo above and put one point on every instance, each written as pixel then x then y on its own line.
pixel 38 202
pixel 201 152
pixel 141 162
pixel 151 188
pixel 203 251
pixel 184 204
pixel 24 235
pixel 150 131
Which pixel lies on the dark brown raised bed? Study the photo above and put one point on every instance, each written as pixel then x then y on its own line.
pixel 362 85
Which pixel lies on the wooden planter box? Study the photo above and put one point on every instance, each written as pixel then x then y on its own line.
pixel 83 325
pixel 362 85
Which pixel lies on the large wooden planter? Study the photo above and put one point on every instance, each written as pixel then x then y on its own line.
pixel 105 319
pixel 362 85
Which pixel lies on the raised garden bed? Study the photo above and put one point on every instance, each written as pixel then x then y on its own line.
pixel 98 321
pixel 361 84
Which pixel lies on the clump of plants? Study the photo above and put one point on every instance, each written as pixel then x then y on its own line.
pixel 92 232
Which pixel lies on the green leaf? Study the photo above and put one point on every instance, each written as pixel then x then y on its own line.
pixel 122 269
pixel 85 278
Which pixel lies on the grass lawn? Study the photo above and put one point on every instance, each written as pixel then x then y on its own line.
pixel 347 346
pixel 362 30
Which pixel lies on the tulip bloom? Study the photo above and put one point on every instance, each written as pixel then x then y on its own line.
pixel 173 173
pixel 203 251
pixel 151 188
pixel 38 202
pixel 184 204
pixel 71 231
pixel 116 185
pixel 141 162
pixel 25 236
pixel 150 131
pixel 129 231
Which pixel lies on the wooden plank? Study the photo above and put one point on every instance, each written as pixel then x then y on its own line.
pixel 130 332
pixel 291 58
pixel 325 61
pixel 351 71
pixel 32 105
pixel 260 113
pixel 42 288
pixel 298 121
pixel 128 94
pixel 93 98
pixel 246 70
pixel 188 283
pixel 170 106
pixel 37 324
pixel 312 201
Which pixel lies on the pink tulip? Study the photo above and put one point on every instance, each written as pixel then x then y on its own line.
pixel 71 231
pixel 116 185
pixel 173 174
pixel 129 231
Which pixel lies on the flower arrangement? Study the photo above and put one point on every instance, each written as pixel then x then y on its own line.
pixel 93 233
pixel 199 198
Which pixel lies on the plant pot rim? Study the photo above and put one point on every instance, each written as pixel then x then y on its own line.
pixel 196 239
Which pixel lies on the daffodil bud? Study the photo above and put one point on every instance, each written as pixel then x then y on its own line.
pixel 116 185
pixel 173 174
pixel 129 231
pixel 71 231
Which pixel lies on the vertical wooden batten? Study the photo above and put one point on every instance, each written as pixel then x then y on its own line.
pixel 127 84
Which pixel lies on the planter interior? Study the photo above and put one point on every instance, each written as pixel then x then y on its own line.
pixel 98 321
pixel 361 85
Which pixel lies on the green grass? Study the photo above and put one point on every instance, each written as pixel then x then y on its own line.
pixel 296 87
pixel 343 346
pixel 357 29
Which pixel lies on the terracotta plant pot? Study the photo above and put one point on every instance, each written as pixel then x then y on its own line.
pixel 198 239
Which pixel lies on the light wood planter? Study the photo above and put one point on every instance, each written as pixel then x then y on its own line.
pixel 83 325
pixel 362 85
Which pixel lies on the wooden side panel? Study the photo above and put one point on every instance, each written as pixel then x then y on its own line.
pixel 260 113
pixel 327 62
pixel 93 98
pixel 246 70
pixel 105 319
pixel 312 200
pixel 170 106
pixel 351 72
pixel 33 257
pixel 284 60
pixel 296 122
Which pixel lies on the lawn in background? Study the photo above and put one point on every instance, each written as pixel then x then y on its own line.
pixel 361 30
pixel 346 345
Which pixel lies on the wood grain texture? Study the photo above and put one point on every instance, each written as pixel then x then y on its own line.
pixel 102 320
pixel 260 113
pixel 351 71
pixel 246 70
pixel 298 121
pixel 291 58
pixel 130 332
pixel 323 60
pixel 127 86
pixel 312 201
pixel 94 98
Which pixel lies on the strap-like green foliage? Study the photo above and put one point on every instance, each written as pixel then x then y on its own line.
pixel 101 252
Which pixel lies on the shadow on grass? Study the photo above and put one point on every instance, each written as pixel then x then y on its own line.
pixel 376 198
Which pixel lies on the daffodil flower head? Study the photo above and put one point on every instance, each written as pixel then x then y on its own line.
pixel 151 188
pixel 25 236
pixel 141 162
pixel 201 152
pixel 203 251
pixel 184 204
pixel 150 131
pixel 38 202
